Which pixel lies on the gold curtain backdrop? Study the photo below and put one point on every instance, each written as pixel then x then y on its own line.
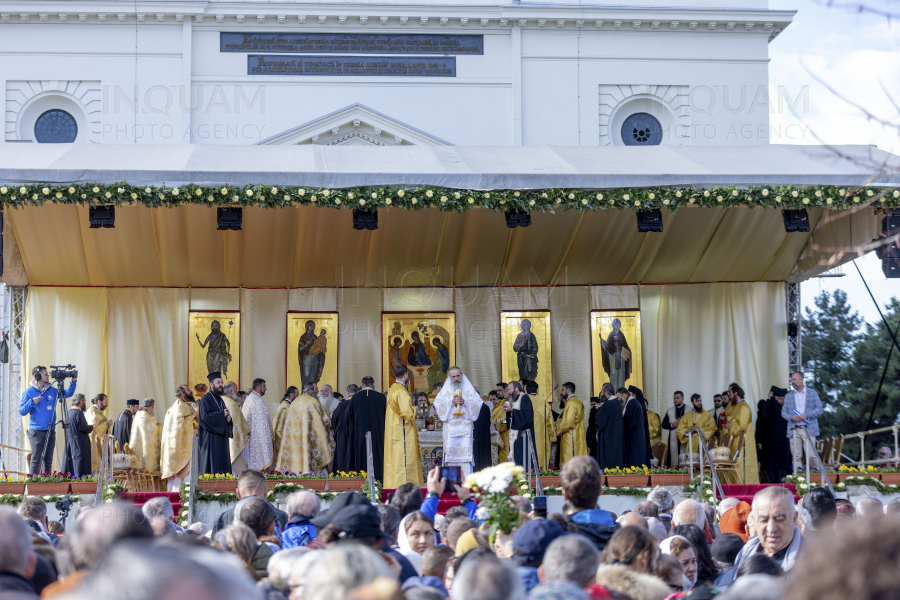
pixel 315 247
pixel 132 342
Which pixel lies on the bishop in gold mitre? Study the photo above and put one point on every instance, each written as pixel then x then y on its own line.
pixel 178 430
pixel 280 416
pixel 145 436
pixel 237 445
pixel 698 421
pixel 401 440
pixel 97 418
pixel 570 426
pixel 307 443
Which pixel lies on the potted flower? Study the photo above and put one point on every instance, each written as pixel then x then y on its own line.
pixel 669 477
pixel 48 484
pixel 346 482
pixel 10 485
pixel 628 477
pixel 220 483
pixel 845 472
pixel 86 484
pixel 890 476
pixel 276 477
pixel 549 477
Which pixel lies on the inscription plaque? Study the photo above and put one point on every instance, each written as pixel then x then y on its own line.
pixel 351 43
pixel 386 66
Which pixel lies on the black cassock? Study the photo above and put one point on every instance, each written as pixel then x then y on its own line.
pixel 521 420
pixel 122 429
pixel 591 432
pixel 610 435
pixel 213 434
pixel 779 463
pixel 78 444
pixel 635 422
pixel 763 450
pixel 481 441
pixel 343 437
pixel 367 408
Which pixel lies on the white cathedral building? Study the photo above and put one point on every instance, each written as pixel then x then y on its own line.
pixel 464 72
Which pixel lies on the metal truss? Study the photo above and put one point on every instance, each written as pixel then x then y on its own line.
pixel 15 300
pixel 794 316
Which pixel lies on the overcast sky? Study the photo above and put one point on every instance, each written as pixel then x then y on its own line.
pixel 855 54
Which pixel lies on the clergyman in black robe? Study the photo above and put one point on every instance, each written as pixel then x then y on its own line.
pixel 78 443
pixel 610 434
pixel 519 421
pixel 367 408
pixel 215 430
pixel 591 431
pixel 763 448
pixel 780 462
pixel 645 406
pixel 481 439
pixel 635 422
pixel 122 426
pixel 343 437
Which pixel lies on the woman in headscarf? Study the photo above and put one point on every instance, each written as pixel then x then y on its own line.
pixel 679 547
pixel 415 535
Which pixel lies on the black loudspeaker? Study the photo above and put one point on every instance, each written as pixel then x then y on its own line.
pixel 890 253
pixel 229 218
pixel 518 219
pixel 365 220
pixel 650 221
pixel 795 220
pixel 102 216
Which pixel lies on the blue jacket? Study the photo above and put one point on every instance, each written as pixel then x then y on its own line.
pixel 298 532
pixel 42 413
pixel 813 412
pixel 529 578
pixel 430 507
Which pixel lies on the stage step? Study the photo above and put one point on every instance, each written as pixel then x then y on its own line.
pixel 139 498
pixel 745 493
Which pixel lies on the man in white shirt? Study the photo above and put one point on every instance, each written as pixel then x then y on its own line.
pixel 801 409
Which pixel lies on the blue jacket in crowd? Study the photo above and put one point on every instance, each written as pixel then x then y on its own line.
pixel 41 413
pixel 298 532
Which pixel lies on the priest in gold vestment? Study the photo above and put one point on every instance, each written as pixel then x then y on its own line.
pixel 96 417
pixel 697 421
pixel 145 436
pixel 498 417
pixel 654 424
pixel 544 427
pixel 402 462
pixel 238 443
pixel 280 415
pixel 570 426
pixel 178 429
pixel 307 442
pixel 739 419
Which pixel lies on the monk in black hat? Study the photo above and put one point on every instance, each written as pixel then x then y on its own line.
pixel 122 427
pixel 215 429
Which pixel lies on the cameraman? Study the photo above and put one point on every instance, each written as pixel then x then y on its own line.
pixel 39 403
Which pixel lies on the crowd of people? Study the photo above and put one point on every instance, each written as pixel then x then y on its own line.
pixel 821 548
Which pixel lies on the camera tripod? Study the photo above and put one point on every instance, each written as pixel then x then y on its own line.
pixel 61 399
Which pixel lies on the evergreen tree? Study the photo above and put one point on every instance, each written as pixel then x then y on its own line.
pixel 829 338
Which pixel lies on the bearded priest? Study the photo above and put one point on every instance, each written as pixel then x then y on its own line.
pixel 401 440
pixel 179 427
pixel 307 443
pixel 145 435
pixel 458 406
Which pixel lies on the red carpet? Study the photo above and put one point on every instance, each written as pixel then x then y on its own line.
pixel 745 493
pixel 138 498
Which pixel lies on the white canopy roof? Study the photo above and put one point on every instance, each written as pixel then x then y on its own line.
pixel 460 167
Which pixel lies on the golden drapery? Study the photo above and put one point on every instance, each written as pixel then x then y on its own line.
pixel 307 443
pixel 236 443
pixel 740 418
pixel 655 425
pixel 544 429
pixel 498 416
pixel 704 422
pixel 570 430
pixel 145 440
pixel 402 462
pixel 278 426
pixel 178 428
pixel 97 418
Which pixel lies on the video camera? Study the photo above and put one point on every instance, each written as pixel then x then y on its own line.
pixel 63 372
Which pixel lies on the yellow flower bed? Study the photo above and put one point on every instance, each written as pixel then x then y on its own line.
pixel 642 470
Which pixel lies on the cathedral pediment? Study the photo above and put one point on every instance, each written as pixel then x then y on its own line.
pixel 355 125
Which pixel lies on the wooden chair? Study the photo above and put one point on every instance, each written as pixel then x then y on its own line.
pixel 827 451
pixel 730 465
pixel 659 452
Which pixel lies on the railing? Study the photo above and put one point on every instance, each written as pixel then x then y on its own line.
pixel 862 447
pixel 704 451
pixel 9 469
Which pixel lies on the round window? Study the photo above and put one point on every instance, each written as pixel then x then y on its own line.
pixel 55 127
pixel 641 129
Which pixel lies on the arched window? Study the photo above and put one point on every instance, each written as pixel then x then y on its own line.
pixel 55 127
pixel 641 129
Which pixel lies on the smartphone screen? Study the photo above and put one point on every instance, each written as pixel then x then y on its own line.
pixel 453 475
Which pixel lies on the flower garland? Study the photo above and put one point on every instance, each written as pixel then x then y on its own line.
pixel 706 494
pixel 450 200
pixel 16 499
pixel 112 491
pixel 803 487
